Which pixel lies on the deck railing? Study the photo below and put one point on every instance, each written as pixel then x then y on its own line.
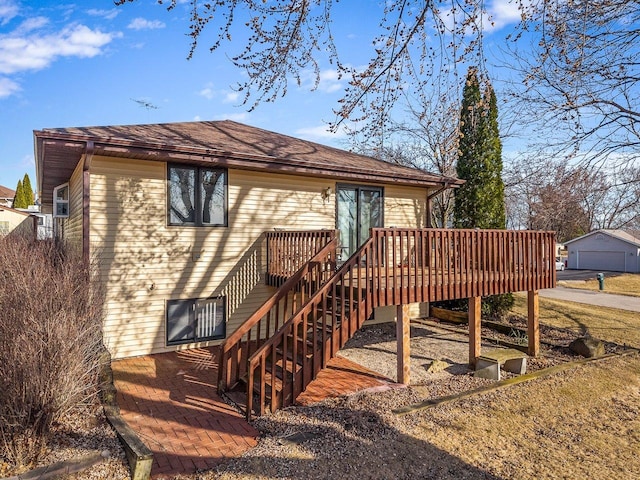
pixel 260 326
pixel 393 267
pixel 287 251
pixel 445 264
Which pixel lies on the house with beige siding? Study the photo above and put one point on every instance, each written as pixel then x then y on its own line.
pixel 6 196
pixel 16 222
pixel 176 215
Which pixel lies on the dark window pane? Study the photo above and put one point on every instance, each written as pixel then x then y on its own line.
pixel 182 187
pixel 212 196
pixel 180 324
pixel 210 317
pixel 62 209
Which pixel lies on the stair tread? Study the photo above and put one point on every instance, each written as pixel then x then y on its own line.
pixel 322 333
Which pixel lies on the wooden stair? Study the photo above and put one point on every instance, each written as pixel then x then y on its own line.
pixel 286 374
pixel 274 356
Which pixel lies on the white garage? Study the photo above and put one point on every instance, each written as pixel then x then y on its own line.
pixel 607 250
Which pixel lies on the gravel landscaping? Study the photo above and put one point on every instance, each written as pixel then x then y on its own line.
pixel 565 425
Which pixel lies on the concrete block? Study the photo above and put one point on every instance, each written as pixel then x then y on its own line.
pixel 487 369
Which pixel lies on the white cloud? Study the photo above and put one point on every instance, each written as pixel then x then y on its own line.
pixel 496 15
pixel 8 87
pixel 8 10
pixel 30 24
pixel 329 81
pixel 207 93
pixel 319 132
pixel 504 12
pixel 34 52
pixel 108 14
pixel 144 24
pixel 231 97
pixel 236 117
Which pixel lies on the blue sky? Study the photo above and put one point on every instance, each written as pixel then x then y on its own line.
pixel 91 63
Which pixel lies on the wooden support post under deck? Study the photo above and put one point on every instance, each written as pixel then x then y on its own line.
pixel 533 323
pixel 475 307
pixel 403 336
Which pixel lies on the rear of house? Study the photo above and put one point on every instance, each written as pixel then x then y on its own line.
pixel 608 250
pixel 175 215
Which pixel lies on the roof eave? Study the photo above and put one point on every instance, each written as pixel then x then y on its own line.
pixel 189 154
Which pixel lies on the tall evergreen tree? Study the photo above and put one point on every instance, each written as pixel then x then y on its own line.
pixel 494 157
pixel 479 203
pixel 19 201
pixel 28 191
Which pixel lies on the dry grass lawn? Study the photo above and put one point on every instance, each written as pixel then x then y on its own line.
pixel 585 424
pixel 627 284
pixel 612 325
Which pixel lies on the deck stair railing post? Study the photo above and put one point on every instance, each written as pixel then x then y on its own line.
pixel 289 250
pixel 298 286
pixel 393 267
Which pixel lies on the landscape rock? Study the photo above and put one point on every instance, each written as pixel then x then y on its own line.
pixel 437 366
pixel 587 347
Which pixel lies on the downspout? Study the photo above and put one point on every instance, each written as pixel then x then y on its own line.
pixel 444 187
pixel 88 157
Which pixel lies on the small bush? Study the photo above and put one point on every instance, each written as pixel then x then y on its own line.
pixel 50 342
pixel 497 305
pixel 493 306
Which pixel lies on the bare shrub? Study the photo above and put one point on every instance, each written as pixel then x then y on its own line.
pixel 50 342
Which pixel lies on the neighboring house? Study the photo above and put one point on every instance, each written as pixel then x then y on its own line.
pixel 177 213
pixel 16 221
pixel 609 250
pixel 6 196
pixel 44 222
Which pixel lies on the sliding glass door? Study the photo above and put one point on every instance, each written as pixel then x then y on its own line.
pixel 359 208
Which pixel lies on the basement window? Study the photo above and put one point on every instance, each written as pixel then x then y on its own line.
pixel 196 320
pixel 61 201
pixel 197 196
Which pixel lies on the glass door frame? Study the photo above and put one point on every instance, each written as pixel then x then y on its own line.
pixel 344 250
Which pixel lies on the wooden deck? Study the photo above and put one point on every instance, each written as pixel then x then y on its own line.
pixel 316 309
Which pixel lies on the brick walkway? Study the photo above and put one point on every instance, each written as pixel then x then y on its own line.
pixel 171 401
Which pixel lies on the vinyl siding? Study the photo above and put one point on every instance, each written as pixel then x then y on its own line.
pixel 70 229
pixel 600 251
pixel 405 207
pixel 144 262
pixel 16 223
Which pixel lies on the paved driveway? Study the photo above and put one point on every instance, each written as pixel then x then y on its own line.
pixel 583 274
pixel 589 297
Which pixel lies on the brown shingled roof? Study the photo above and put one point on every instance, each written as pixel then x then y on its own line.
pixel 225 143
pixel 6 192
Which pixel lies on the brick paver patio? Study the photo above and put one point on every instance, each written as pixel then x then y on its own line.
pixel 171 401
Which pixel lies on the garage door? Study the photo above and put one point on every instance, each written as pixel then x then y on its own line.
pixel 612 261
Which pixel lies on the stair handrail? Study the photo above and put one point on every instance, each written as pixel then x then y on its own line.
pixel 402 266
pixel 301 316
pixel 229 371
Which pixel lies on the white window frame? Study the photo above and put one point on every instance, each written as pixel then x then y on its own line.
pixel 57 201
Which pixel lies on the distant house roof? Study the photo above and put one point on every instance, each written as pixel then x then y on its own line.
pixel 6 192
pixel 13 210
pixel 629 236
pixel 224 143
